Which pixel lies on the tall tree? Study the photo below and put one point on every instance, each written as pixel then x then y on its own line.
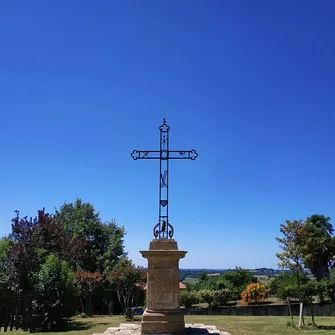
pixel 24 258
pixel 291 256
pixel 104 241
pixel 318 245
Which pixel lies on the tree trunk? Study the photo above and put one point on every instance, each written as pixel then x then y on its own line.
pixel 89 303
pixel 312 313
pixel 81 304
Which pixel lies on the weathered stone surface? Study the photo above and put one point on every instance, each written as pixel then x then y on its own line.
pixel 190 329
pixel 163 314
pixel 111 330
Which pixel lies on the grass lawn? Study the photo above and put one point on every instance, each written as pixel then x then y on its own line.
pixel 235 325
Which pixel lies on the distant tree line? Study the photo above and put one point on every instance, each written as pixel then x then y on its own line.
pixel 196 273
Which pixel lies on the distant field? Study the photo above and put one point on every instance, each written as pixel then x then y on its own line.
pixel 190 280
pixel 262 278
pixel 193 280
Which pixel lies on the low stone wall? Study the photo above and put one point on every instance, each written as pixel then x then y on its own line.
pixel 321 309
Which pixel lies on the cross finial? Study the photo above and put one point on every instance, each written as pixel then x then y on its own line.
pixel 164 120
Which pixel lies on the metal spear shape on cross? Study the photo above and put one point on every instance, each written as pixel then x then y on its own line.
pixel 163 229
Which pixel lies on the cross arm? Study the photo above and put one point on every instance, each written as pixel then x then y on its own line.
pixel 145 154
pixel 183 154
pixel 171 154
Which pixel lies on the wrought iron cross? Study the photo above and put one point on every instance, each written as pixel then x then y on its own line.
pixel 163 229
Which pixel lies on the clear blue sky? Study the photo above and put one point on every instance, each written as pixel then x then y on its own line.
pixel 248 84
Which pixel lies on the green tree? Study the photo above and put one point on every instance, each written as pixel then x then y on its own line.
pixel 189 298
pixel 238 279
pixel 24 259
pixel 129 282
pixel 207 296
pixel 203 275
pixel 221 297
pixel 291 256
pixel 291 243
pixel 103 241
pixel 31 241
pixel 56 294
pixel 4 261
pixel 318 245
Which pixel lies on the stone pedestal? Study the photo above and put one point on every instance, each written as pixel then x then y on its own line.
pixel 163 314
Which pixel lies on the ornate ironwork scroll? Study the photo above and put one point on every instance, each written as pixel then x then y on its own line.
pixel 163 229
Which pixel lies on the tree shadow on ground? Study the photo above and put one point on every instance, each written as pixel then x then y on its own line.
pixel 82 325
pixel 78 325
pixel 326 327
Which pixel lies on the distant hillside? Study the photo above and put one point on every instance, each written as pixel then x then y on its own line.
pixel 195 273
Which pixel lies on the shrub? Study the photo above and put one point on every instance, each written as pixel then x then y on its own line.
pixel 326 289
pixel 207 296
pixel 285 285
pixel 56 294
pixel 221 297
pixel 238 279
pixel 189 298
pixel 255 293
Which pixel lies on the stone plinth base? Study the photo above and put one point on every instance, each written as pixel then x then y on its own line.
pixel 190 329
pixel 163 314
pixel 168 322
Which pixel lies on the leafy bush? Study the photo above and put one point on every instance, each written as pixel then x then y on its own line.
pixel 326 289
pixel 221 297
pixel 207 296
pixel 255 293
pixel 189 298
pixel 238 279
pixel 285 285
pixel 56 294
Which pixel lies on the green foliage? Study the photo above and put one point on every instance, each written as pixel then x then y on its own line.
pixel 129 282
pixel 228 286
pixel 4 261
pixel 203 275
pixel 318 247
pixel 287 285
pixel 326 289
pixel 307 244
pixel 290 243
pixel 103 241
pixel 189 298
pixel 208 284
pixel 41 249
pixel 207 296
pixel 221 297
pixel 56 294
pixel 238 279
pixel 31 241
